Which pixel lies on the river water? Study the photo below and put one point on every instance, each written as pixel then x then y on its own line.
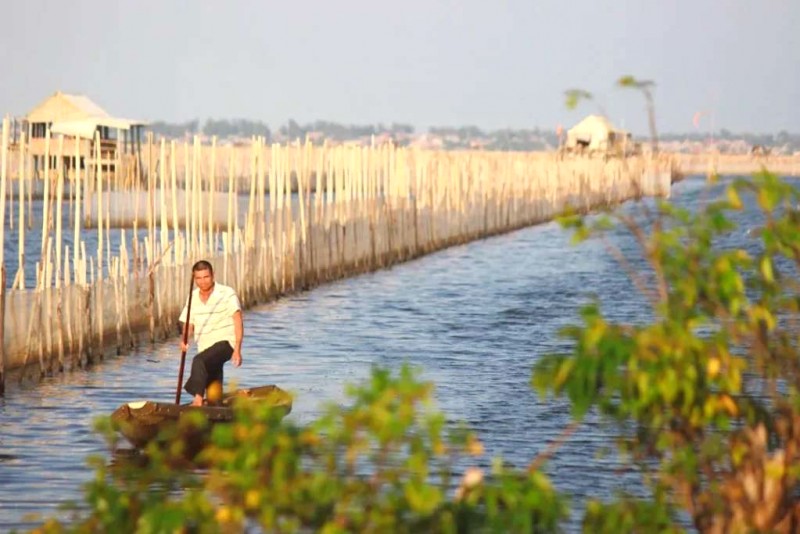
pixel 473 318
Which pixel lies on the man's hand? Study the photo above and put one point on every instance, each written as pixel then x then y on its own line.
pixel 185 335
pixel 236 358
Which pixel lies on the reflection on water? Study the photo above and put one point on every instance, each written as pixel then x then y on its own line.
pixel 474 318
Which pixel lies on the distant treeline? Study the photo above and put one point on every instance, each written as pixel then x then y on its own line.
pixel 221 128
pixel 342 132
pixel 449 137
pixel 452 137
pixel 244 128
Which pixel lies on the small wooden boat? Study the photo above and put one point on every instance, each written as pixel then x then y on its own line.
pixel 141 422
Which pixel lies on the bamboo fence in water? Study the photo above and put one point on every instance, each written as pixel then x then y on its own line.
pixel 738 164
pixel 281 219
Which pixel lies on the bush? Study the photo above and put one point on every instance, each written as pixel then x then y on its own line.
pixel 384 463
pixel 705 395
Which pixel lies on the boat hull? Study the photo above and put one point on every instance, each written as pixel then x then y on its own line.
pixel 141 422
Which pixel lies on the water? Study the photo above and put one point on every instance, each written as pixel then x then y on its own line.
pixel 474 318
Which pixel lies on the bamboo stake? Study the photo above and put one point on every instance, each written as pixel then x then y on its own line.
pixel 114 275
pixel 260 219
pixel 150 248
pixel 88 184
pixel 33 317
pixel 211 194
pixel 162 171
pixel 314 215
pixel 77 215
pixel 59 333
pixel 174 180
pixel 261 185
pixel 199 220
pixel 125 278
pixel 236 215
pixel 280 237
pixel 91 312
pixel 47 266
pixel 100 243
pixel 136 261
pixel 10 193
pixel 82 290
pixel 187 189
pixel 46 197
pixel 118 171
pixel 226 241
pixel 291 238
pixel 19 278
pixel 272 238
pixel 3 178
pixel 251 207
pixel 27 164
pixel 67 289
pixel 151 190
pixel 59 204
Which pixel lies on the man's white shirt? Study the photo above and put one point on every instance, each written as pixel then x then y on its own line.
pixel 213 320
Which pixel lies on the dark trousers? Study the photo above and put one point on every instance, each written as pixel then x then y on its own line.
pixel 207 367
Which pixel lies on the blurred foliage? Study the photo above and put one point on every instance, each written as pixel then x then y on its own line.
pixel 573 97
pixel 705 395
pixel 631 82
pixel 383 463
pixel 646 88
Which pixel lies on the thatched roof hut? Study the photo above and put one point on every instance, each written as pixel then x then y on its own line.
pixel 79 120
pixel 65 107
pixel 596 132
pixel 76 115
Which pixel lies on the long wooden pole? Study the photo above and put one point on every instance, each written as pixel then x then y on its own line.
pixel 185 342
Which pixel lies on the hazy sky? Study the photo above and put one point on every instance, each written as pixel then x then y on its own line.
pixel 492 63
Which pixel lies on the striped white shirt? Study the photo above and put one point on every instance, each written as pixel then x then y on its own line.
pixel 213 320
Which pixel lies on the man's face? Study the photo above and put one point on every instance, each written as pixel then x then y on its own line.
pixel 203 279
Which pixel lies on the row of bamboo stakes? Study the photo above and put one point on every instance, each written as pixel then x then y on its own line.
pixel 738 164
pixel 272 219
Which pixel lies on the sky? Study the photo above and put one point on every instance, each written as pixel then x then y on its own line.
pixel 492 64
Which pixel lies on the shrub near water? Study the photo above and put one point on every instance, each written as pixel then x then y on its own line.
pixel 384 463
pixel 710 386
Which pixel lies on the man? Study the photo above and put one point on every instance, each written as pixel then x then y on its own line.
pixel 216 322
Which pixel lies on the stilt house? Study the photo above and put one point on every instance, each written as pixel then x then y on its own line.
pixel 115 140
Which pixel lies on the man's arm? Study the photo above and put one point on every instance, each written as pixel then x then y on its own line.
pixel 238 329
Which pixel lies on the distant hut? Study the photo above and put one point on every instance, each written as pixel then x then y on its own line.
pixel 596 134
pixel 79 120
